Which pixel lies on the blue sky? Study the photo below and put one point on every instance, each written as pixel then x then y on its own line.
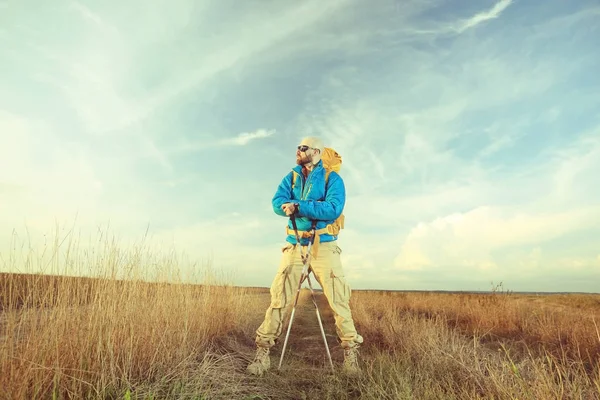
pixel 470 132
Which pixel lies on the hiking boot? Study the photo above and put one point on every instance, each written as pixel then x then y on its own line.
pixel 351 361
pixel 261 362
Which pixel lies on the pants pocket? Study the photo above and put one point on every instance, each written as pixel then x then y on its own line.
pixel 340 290
pixel 287 247
pixel 278 292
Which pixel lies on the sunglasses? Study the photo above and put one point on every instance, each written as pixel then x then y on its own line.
pixel 303 148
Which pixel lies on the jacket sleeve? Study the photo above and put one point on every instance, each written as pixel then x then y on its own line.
pixel 282 195
pixel 330 208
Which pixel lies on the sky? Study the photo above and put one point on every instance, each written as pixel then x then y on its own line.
pixel 469 131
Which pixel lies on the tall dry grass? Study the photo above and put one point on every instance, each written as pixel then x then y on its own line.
pixel 134 329
pixel 111 334
pixel 466 346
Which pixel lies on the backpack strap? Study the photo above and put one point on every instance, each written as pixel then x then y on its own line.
pixel 338 223
pixel 293 179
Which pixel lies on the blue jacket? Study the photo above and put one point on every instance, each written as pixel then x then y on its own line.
pixel 316 202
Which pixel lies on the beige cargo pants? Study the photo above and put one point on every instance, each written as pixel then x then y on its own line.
pixel 328 271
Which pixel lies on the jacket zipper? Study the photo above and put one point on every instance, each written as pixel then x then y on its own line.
pixel 305 185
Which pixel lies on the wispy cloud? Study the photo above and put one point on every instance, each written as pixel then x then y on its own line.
pixel 246 137
pixel 431 29
pixel 483 16
pixel 229 51
pixel 194 146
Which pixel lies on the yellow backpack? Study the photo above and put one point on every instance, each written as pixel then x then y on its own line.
pixel 332 161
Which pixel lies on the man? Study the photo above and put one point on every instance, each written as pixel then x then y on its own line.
pixel 312 199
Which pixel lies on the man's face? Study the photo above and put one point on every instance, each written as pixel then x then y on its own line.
pixel 303 154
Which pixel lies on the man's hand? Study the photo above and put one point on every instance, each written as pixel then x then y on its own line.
pixel 289 208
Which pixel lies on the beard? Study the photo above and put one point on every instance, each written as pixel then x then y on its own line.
pixel 302 160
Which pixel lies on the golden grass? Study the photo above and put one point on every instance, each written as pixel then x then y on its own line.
pixel 438 345
pixel 129 332
pixel 100 337
pixel 117 335
pixel 562 325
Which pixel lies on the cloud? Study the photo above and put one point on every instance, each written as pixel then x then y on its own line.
pixel 121 77
pixel 246 137
pixel 483 16
pixel 426 28
pixel 187 146
pixel 226 52
pixel 474 238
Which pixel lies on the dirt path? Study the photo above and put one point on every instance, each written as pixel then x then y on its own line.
pixel 305 343
pixel 305 371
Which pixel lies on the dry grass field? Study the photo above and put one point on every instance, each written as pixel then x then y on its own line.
pixel 109 338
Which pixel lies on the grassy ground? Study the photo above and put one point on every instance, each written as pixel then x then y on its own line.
pixel 116 336
pixel 103 338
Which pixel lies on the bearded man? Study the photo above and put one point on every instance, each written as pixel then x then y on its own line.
pixel 318 198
